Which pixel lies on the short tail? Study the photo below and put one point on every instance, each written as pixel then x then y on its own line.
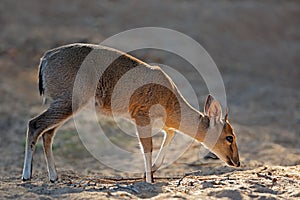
pixel 42 66
pixel 41 81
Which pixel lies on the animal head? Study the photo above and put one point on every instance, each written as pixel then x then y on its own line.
pixel 220 137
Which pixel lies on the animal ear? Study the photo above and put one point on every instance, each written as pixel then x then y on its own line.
pixel 214 111
pixel 208 101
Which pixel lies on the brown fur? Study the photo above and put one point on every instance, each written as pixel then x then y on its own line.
pixel 58 70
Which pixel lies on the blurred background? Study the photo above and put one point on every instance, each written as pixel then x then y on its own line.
pixel 255 45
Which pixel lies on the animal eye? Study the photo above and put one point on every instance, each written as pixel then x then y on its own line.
pixel 229 139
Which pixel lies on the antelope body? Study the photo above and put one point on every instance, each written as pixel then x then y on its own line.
pixel 57 74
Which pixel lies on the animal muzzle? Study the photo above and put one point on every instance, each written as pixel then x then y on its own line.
pixel 233 162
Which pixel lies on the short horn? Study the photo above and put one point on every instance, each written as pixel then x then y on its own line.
pixel 226 115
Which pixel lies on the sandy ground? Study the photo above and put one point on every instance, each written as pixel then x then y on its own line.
pixel 256 46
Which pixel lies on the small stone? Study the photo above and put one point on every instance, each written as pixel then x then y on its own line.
pixel 191 184
pixel 270 173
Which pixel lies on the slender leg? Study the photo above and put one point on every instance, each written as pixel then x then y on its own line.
pixel 169 135
pixel 31 140
pixel 56 114
pixel 144 134
pixel 47 143
pixel 29 149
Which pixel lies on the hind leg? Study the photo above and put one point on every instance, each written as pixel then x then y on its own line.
pixel 47 144
pixel 56 114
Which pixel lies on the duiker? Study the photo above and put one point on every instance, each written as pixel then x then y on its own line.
pixel 57 73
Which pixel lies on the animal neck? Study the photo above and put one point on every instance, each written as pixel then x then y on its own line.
pixel 191 122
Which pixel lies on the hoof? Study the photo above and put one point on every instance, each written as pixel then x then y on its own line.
pixel 25 179
pixel 144 178
pixel 150 182
pixel 53 180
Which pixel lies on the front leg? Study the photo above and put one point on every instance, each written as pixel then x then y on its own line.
pixel 169 135
pixel 145 138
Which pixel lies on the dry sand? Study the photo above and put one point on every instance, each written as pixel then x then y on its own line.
pixel 256 46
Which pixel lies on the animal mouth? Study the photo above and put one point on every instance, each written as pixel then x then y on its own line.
pixel 230 162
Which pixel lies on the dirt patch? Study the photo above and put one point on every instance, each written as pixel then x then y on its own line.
pixel 270 182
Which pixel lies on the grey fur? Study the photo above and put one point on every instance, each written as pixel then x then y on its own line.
pixel 57 73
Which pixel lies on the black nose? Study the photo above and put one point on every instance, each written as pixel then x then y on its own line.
pixel 238 164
